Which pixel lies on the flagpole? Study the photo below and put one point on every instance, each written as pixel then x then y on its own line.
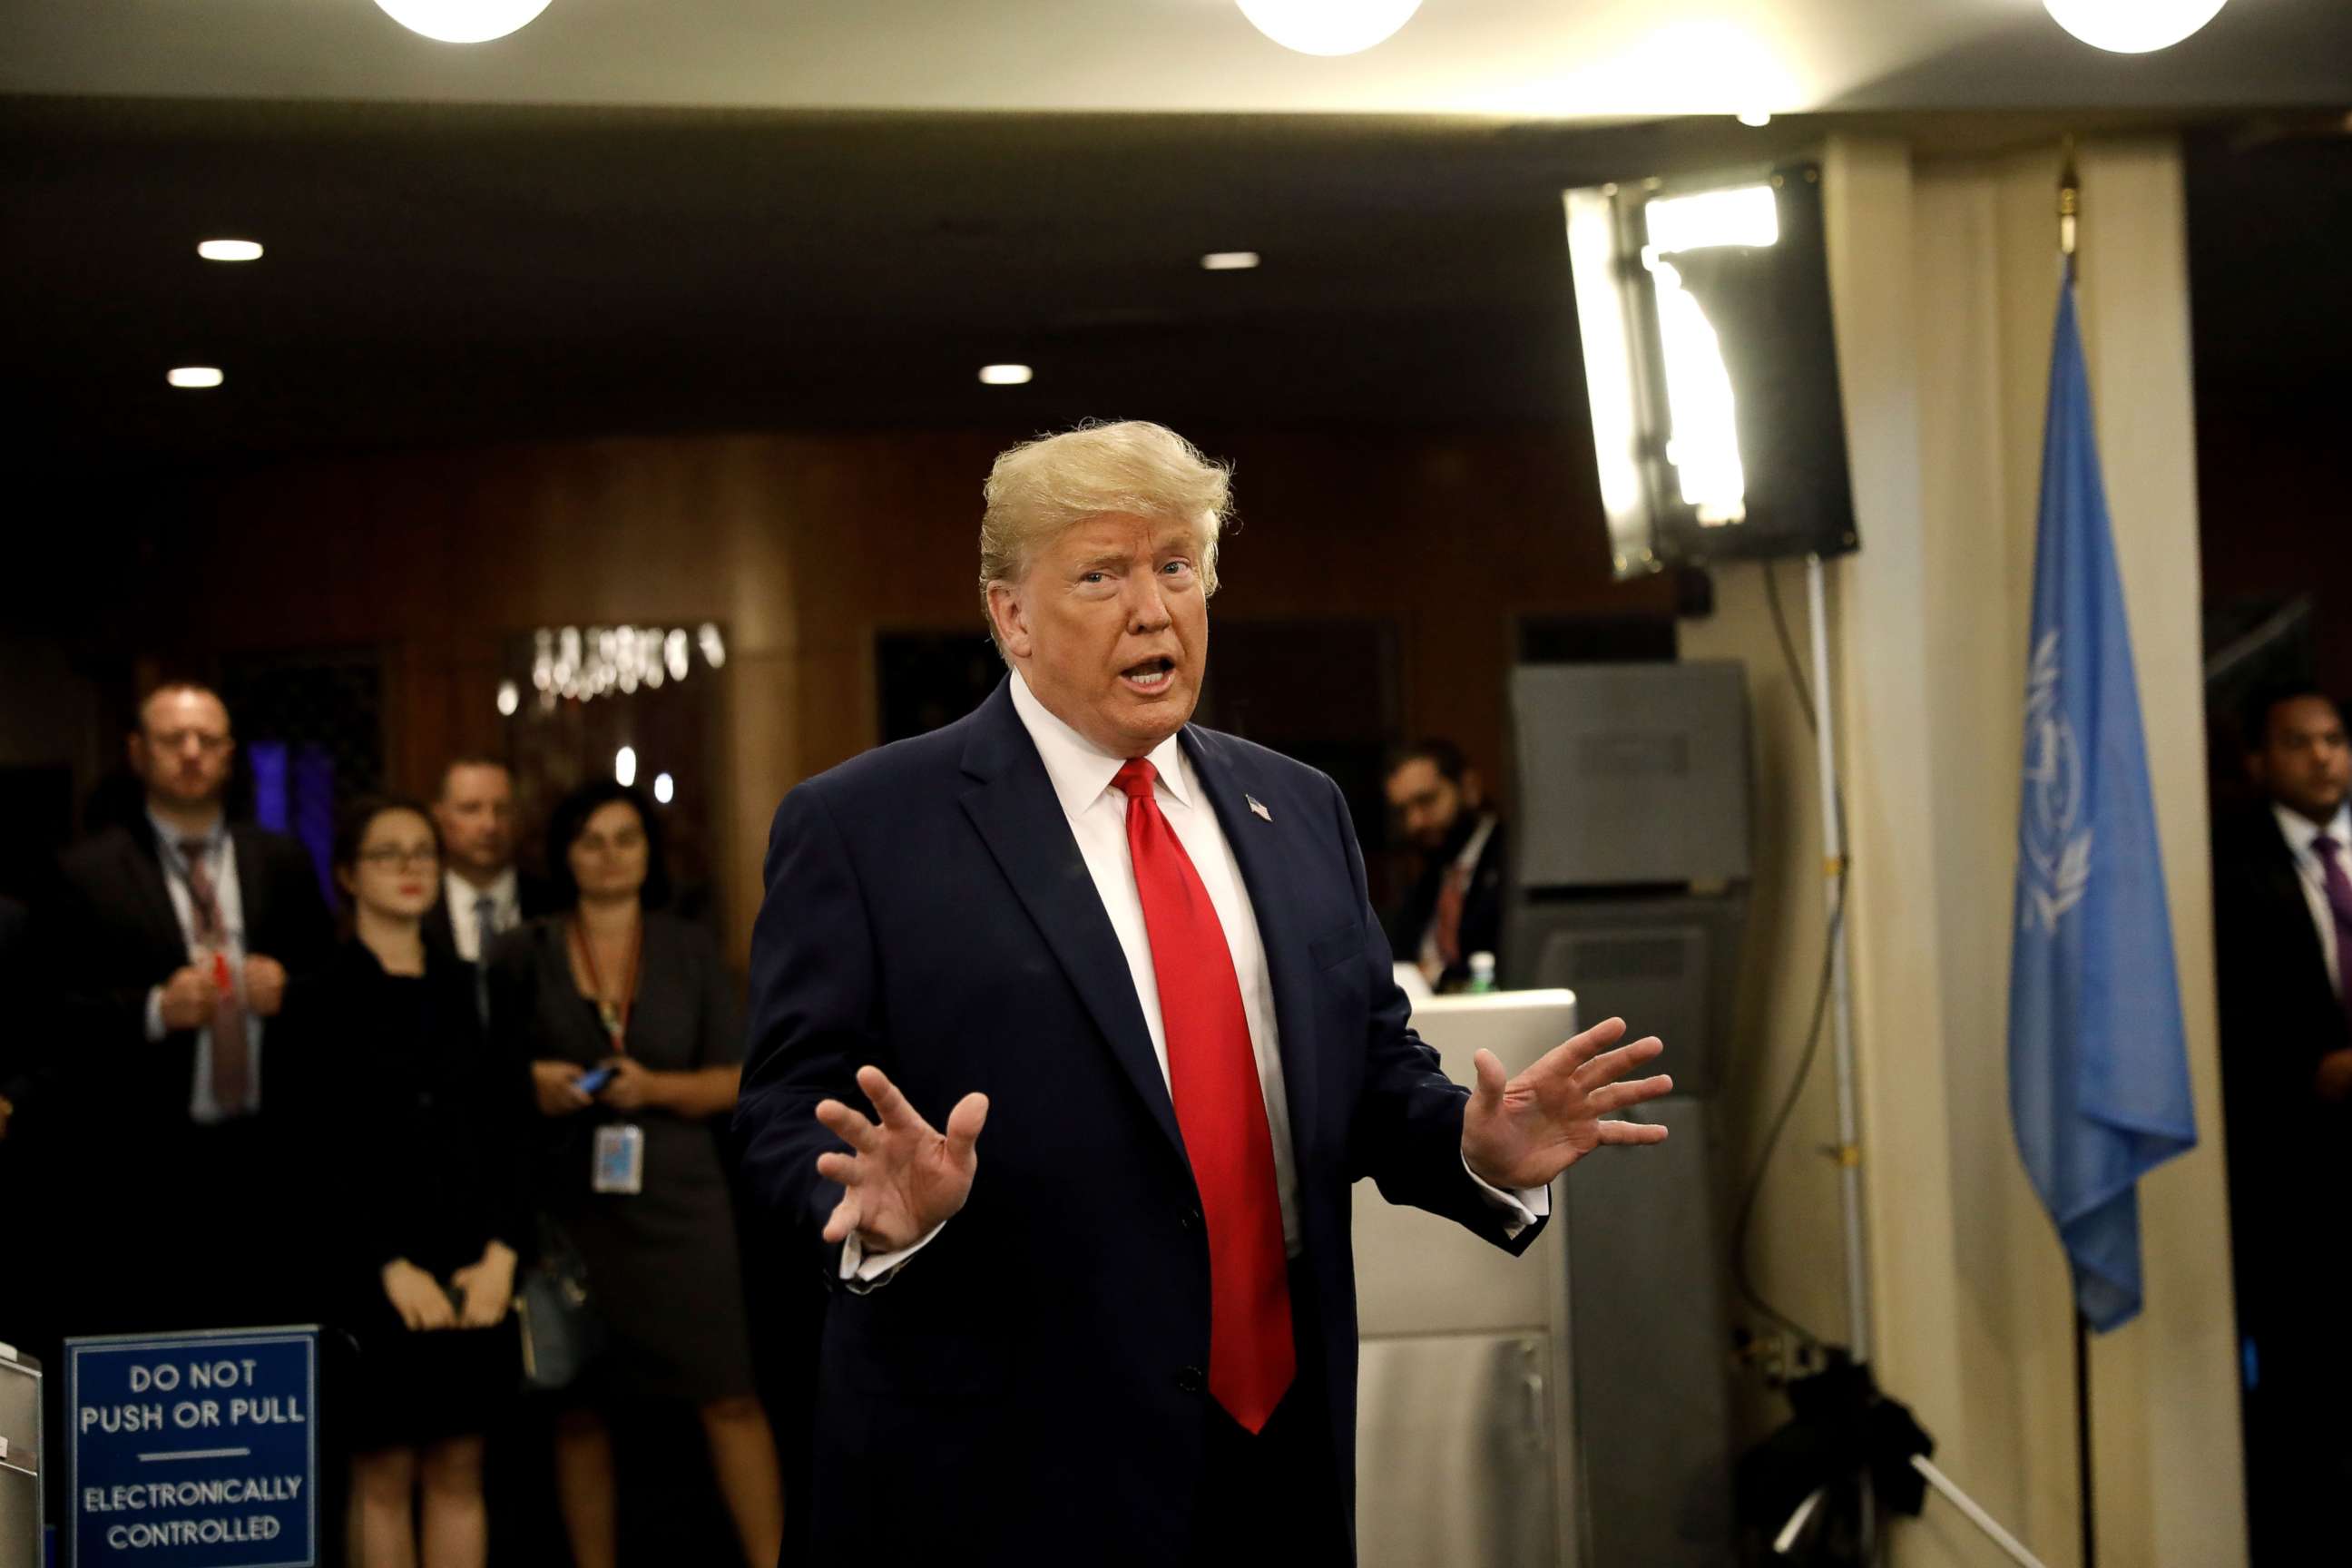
pixel 2070 216
pixel 2083 1436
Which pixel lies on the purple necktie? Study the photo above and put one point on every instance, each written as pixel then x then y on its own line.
pixel 232 1050
pixel 2339 898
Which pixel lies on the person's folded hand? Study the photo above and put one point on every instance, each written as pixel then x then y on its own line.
pixel 556 1086
pixel 417 1297
pixel 487 1286
pixel 189 999
pixel 264 986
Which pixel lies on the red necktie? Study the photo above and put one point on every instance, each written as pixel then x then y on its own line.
pixel 1212 1076
pixel 1450 895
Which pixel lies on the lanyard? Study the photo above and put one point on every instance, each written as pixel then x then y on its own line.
pixel 614 1015
pixel 204 905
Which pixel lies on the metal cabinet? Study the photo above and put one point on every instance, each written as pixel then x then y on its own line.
pixel 1465 1437
pixel 1457 1456
pixel 21 1457
pixel 1570 1407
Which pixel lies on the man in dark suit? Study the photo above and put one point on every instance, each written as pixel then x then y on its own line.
pixel 483 894
pixel 176 940
pixel 2282 935
pixel 1454 907
pixel 1120 1327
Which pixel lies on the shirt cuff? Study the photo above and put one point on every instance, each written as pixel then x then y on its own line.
pixel 861 1270
pixel 1520 1209
pixel 155 1030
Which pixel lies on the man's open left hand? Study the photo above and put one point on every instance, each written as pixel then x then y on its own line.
pixel 1522 1133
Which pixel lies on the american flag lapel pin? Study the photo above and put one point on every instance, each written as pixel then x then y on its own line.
pixel 1255 805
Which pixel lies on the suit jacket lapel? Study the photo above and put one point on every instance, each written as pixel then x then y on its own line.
pixel 142 867
pixel 2286 888
pixel 1258 848
pixel 252 885
pixel 1013 806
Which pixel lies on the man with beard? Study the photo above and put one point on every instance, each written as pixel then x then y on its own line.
pixel 2283 938
pixel 1454 907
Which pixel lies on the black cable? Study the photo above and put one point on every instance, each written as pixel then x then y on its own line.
pixel 1797 682
pixel 1739 1227
pixel 1834 932
pixel 1803 688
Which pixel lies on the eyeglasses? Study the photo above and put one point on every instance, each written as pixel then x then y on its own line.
pixel 174 740
pixel 392 855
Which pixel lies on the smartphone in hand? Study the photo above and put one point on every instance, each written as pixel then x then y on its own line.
pixel 593 1080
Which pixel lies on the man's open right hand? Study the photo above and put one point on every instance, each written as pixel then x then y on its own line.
pixel 900 1179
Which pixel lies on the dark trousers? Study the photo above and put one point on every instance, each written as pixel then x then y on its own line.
pixel 1274 1497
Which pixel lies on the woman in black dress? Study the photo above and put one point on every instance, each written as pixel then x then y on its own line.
pixel 630 1171
pixel 428 1138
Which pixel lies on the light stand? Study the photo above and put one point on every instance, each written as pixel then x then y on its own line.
pixel 1845 1432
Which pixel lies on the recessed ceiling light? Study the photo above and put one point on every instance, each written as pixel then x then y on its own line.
pixel 1327 27
pixel 462 21
pixel 1229 260
pixel 1758 117
pixel 1004 374
pixel 230 250
pixel 194 375
pixel 2132 26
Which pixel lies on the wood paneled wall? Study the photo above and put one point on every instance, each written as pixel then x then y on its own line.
pixel 804 545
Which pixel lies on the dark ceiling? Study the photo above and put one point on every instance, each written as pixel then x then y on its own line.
pixel 442 274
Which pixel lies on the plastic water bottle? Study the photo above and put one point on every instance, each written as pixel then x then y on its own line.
pixel 1482 974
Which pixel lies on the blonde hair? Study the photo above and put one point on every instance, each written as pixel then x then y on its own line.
pixel 1039 487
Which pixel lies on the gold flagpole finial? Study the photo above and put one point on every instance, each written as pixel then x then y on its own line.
pixel 2070 204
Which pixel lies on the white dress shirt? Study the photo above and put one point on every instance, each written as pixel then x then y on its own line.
pixel 1081 775
pixel 2300 830
pixel 220 860
pixel 462 897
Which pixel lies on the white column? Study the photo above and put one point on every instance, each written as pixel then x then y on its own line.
pixel 1945 277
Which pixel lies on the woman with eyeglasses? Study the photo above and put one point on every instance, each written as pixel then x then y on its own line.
pixel 633 1028
pixel 428 1158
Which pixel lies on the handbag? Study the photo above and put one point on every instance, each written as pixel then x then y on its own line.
pixel 556 1313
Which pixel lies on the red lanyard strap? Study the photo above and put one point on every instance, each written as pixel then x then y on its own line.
pixel 616 1016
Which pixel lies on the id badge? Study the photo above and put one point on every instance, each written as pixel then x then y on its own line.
pixel 619 1165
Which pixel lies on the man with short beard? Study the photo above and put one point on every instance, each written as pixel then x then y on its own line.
pixel 2282 942
pixel 1454 907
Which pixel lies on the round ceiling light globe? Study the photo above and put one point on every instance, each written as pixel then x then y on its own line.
pixel 1329 26
pixel 2133 26
pixel 462 21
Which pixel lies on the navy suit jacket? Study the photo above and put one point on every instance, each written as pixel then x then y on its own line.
pixel 1026 1388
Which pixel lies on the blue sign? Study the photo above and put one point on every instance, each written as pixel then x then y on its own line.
pixel 194 1450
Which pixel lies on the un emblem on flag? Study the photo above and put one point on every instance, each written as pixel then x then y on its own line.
pixel 2057 852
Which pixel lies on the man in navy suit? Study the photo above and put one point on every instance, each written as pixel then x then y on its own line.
pixel 1120 1327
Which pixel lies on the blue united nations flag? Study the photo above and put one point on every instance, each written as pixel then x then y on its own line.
pixel 2098 1064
